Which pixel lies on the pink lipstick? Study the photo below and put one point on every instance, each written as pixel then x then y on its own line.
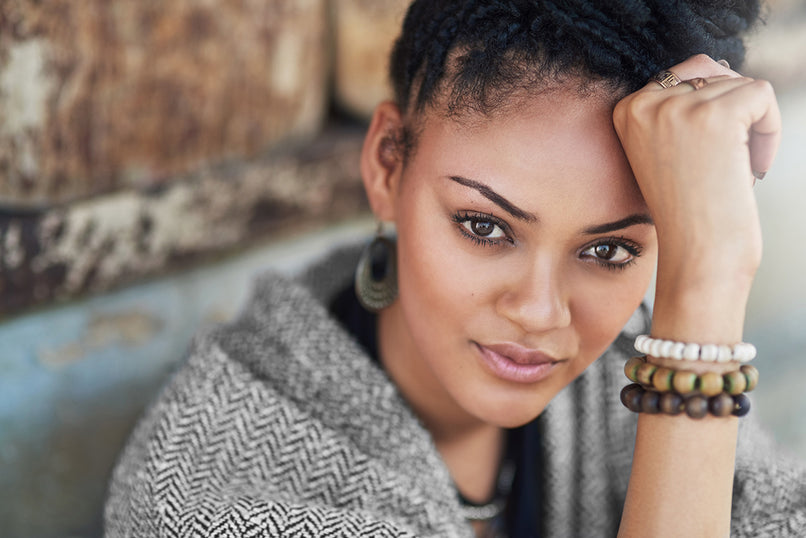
pixel 513 362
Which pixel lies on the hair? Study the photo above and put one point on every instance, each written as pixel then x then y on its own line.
pixel 478 53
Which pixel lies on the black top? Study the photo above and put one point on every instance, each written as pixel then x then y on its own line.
pixel 520 516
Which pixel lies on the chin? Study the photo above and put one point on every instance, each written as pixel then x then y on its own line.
pixel 512 410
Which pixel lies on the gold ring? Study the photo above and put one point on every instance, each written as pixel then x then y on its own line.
pixel 666 79
pixel 697 83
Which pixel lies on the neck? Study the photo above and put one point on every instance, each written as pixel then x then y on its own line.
pixel 471 448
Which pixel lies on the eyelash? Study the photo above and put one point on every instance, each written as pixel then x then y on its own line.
pixel 633 248
pixel 462 217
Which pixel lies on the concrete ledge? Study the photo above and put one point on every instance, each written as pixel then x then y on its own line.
pixel 119 238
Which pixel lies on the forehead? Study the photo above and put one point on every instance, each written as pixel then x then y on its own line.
pixel 542 146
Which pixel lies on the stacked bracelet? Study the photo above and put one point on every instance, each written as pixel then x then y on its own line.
pixel 638 370
pixel 668 349
pixel 657 389
pixel 640 400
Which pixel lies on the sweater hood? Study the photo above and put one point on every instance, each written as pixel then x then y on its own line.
pixel 288 339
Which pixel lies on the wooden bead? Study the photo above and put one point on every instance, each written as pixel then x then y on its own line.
pixel 671 403
pixel 631 397
pixel 684 382
pixel 721 405
pixel 735 382
pixel 751 375
pixel 650 402
pixel 711 384
pixel 644 373
pixel 662 379
pixel 741 405
pixel 631 367
pixel 697 406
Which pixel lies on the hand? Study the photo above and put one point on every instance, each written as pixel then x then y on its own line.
pixel 693 153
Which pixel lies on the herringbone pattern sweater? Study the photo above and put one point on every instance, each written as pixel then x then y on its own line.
pixel 280 425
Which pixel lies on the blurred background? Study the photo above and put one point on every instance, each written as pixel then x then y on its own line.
pixel 156 155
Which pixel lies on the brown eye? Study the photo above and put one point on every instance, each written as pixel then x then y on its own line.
pixel 611 253
pixel 605 252
pixel 482 228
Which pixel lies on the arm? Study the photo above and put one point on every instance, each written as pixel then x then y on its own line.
pixel 693 153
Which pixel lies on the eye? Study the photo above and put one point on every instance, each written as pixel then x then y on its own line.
pixel 613 253
pixel 484 228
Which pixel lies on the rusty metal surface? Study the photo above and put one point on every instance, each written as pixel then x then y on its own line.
pixel 104 242
pixel 98 95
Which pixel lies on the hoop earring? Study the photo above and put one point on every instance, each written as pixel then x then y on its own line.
pixel 376 273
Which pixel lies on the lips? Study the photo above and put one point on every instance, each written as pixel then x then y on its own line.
pixel 516 363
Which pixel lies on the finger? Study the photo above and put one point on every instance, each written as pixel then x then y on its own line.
pixel 763 148
pixel 714 87
pixel 700 65
pixel 758 111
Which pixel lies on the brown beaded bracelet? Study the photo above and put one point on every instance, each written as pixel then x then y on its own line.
pixel 641 400
pixel 684 382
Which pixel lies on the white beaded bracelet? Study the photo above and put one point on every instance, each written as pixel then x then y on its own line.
pixel 668 349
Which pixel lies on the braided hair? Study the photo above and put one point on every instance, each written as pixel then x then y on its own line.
pixel 476 53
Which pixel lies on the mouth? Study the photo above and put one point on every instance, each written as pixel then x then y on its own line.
pixel 515 363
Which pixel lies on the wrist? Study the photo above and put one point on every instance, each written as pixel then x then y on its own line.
pixel 700 306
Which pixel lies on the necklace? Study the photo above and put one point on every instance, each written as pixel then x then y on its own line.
pixel 486 511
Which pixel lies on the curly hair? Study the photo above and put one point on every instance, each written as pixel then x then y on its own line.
pixel 476 53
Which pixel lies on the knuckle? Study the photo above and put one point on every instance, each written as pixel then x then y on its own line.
pixel 707 117
pixel 671 108
pixel 639 104
pixel 702 59
pixel 764 86
pixel 622 110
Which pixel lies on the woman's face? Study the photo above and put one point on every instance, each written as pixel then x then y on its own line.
pixel 524 245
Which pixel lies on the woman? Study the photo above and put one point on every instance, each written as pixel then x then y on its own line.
pixel 534 178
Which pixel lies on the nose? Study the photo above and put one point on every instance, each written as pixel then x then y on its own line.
pixel 536 299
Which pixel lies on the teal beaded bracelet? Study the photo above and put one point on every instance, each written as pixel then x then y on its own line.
pixel 684 382
pixel 640 400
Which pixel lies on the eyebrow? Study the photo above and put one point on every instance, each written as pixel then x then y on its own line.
pixel 632 220
pixel 495 198
pixel 515 211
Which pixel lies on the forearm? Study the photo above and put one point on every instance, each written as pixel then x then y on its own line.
pixel 682 473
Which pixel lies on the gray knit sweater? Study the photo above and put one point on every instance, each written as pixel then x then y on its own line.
pixel 280 425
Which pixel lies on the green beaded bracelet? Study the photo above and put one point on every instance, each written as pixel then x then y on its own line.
pixel 684 382
pixel 638 399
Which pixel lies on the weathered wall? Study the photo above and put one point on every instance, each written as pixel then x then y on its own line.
pixel 139 137
pixel 106 241
pixel 97 95
pixel 363 37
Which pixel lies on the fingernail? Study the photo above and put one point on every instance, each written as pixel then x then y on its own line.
pixel 759 175
pixel 723 63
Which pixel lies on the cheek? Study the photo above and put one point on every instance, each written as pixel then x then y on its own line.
pixel 602 305
pixel 437 283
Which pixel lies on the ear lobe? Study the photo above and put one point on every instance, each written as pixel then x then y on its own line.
pixel 381 160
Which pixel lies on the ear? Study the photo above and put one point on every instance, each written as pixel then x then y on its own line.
pixel 382 160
